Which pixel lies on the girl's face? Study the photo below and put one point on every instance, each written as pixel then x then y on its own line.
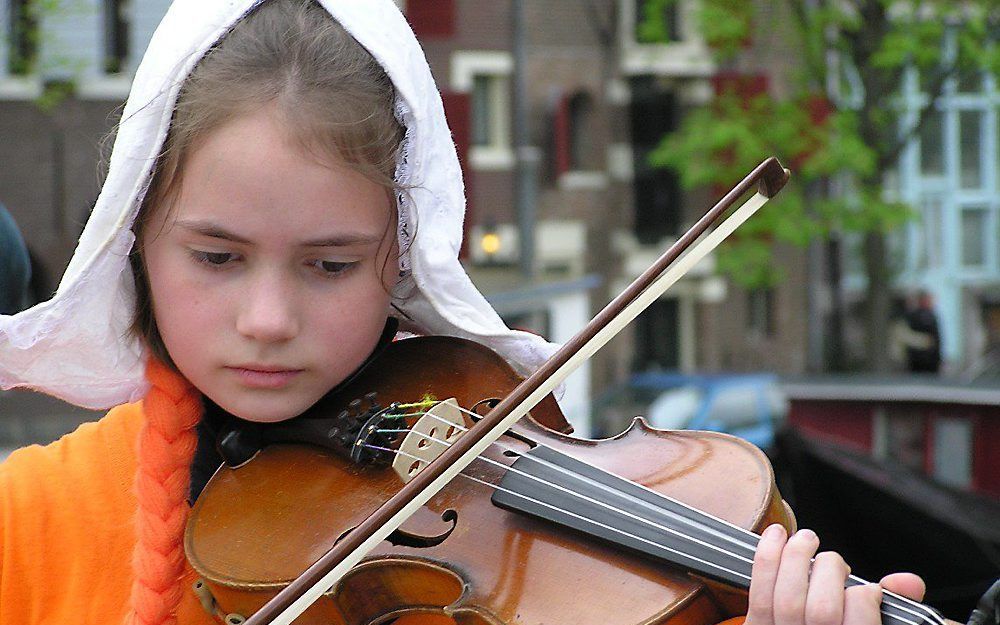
pixel 269 276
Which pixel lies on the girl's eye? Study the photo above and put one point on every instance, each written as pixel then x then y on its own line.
pixel 214 259
pixel 333 268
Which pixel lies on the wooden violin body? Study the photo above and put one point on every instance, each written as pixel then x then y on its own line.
pixel 255 528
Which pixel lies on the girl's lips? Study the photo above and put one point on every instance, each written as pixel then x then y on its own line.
pixel 266 379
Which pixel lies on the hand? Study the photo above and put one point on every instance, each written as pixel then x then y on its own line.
pixel 788 588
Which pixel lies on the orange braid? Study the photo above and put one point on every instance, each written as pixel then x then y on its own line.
pixel 167 444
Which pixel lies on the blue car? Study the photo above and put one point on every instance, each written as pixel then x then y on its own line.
pixel 751 406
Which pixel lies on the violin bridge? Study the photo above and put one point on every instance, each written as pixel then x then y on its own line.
pixel 428 437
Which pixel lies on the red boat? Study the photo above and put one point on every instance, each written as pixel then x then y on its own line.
pixel 899 474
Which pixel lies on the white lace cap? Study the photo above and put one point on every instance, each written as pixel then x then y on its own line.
pixel 76 346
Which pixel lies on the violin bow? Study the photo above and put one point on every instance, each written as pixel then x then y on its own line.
pixel 768 177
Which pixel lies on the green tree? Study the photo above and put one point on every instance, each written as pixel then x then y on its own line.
pixel 853 132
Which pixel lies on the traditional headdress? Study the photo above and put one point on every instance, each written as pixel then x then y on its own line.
pixel 77 345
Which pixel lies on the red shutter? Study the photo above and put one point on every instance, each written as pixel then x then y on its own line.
pixel 458 110
pixel 820 109
pixel 431 19
pixel 746 86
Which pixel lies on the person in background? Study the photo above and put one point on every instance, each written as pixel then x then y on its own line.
pixel 15 266
pixel 923 356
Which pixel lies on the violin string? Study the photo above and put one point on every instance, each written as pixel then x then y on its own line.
pixel 573 514
pixel 921 611
pixel 598 502
pixel 622 532
pixel 694 524
pixel 689 522
pixel 905 604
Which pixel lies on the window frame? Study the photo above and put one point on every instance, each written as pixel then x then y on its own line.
pixel 688 56
pixel 919 190
pixel 497 66
pixel 27 86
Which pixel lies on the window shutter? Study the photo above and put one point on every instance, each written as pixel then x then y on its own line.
pixel 431 18
pixel 458 110
pixel 746 86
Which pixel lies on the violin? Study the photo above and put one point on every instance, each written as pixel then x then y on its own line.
pixel 478 552
pixel 420 489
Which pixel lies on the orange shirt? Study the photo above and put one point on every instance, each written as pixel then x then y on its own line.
pixel 67 528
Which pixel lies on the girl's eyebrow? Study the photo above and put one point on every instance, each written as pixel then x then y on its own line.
pixel 209 229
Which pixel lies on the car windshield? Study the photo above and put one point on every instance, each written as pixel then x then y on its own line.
pixel 673 409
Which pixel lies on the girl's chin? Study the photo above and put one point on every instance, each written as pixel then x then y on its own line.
pixel 267 418
pixel 260 412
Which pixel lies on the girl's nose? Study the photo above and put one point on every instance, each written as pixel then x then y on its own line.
pixel 268 313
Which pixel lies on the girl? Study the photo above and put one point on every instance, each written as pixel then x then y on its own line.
pixel 258 228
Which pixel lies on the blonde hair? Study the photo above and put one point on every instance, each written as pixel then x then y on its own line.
pixel 338 104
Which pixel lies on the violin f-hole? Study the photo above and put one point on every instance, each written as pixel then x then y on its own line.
pixel 402 538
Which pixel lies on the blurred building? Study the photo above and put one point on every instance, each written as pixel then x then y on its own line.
pixel 598 101
pixel 951 176
pixel 64 75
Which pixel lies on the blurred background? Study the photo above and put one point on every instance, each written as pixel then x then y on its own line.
pixel 851 329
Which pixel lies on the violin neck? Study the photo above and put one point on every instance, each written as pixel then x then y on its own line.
pixel 553 486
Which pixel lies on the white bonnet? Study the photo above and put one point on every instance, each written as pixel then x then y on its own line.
pixel 76 346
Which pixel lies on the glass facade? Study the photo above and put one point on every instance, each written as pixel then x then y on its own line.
pixel 950 175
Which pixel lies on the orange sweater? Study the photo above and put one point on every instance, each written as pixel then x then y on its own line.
pixel 67 530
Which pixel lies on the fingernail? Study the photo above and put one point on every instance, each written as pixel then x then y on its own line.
pixel 807 534
pixel 774 531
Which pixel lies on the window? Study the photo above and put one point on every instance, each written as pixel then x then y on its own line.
pixel 931 144
pixel 970 157
pixel 658 38
pixel 485 77
pixel 904 439
pixel 969 81
pixel 116 35
pixel 656 22
pixel 974 236
pixel 581 132
pixel 653 112
pixel 22 43
pixel 952 462
pixel 657 336
pixel 760 312
pixel 575 159
pixel 930 228
pixel 488 124
pixel 951 174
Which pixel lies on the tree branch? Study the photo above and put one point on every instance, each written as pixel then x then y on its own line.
pixel 816 67
pixel 934 92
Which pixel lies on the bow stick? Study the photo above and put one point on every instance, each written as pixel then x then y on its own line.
pixel 769 177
